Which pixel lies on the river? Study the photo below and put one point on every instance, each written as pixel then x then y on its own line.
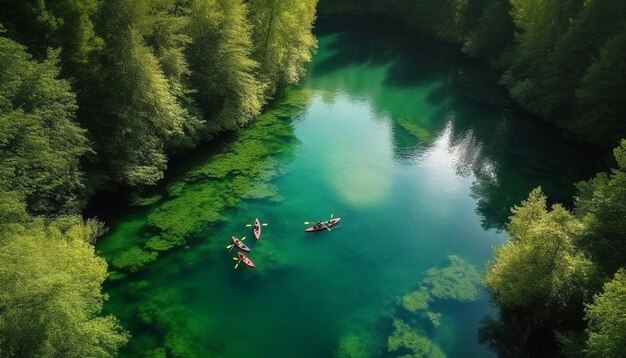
pixel 418 151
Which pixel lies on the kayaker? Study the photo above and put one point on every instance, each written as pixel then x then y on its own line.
pixel 319 224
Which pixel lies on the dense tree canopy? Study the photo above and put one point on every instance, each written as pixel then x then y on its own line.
pixel 607 336
pixel 40 144
pixel 50 280
pixel 540 264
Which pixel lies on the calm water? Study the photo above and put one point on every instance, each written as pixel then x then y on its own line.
pixel 416 150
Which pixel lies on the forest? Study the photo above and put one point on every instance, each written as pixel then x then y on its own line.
pixel 100 94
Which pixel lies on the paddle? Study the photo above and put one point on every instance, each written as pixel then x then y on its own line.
pixel 230 247
pixel 309 223
pixel 238 261
pixel 250 225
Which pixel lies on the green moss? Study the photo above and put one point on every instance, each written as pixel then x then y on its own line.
pixel 457 281
pixel 270 258
pixel 434 317
pixel 133 259
pixel 115 275
pixel 416 300
pixel 139 201
pixel 156 353
pixel 353 345
pixel 416 130
pixel 403 337
pixel 157 243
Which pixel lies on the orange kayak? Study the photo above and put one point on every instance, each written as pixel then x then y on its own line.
pixel 243 258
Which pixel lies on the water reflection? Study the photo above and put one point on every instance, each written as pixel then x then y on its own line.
pixel 425 89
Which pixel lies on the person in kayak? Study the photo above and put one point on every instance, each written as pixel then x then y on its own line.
pixel 319 224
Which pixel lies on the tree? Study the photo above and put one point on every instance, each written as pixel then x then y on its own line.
pixel 600 99
pixel 140 103
pixel 220 58
pixel 282 38
pixel 50 298
pixel 40 145
pixel 607 336
pixel 600 205
pixel 65 24
pixel 539 265
pixel 575 51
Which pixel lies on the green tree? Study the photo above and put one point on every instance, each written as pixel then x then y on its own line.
pixel 40 145
pixel 220 59
pixel 65 24
pixel 140 104
pixel 600 205
pixel 50 298
pixel 600 99
pixel 492 32
pixel 577 49
pixel 607 336
pixel 539 265
pixel 540 25
pixel 283 42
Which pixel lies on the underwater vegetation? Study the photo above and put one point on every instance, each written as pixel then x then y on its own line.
pixel 243 170
pixel 458 280
pixel 411 126
pixel 357 345
pixel 413 343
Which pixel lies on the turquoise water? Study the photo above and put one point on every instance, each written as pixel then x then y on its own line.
pixel 415 148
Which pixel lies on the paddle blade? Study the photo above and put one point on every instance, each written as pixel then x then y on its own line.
pixel 243 238
pixel 265 224
pixel 248 225
pixel 331 216
pixel 237 264
pixel 306 223
pixel 229 246
pixel 235 258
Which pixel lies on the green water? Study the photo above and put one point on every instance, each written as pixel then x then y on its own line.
pixel 415 148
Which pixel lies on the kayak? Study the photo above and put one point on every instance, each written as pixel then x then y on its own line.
pixel 243 258
pixel 325 224
pixel 256 229
pixel 240 245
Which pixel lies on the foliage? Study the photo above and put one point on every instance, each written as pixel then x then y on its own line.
pixel 540 265
pixel 220 58
pixel 43 24
pixel 600 205
pixel 50 284
pixel 607 337
pixel 282 38
pixel 40 145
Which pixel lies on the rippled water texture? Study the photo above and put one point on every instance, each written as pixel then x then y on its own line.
pixel 416 149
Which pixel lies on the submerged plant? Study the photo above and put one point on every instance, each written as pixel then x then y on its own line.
pixel 405 338
pixel 457 281
pixel 356 345
pixel 416 300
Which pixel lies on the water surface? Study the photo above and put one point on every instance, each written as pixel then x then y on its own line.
pixel 416 149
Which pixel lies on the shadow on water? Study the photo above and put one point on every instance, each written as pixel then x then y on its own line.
pixel 501 146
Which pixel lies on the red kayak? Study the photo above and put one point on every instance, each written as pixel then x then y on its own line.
pixel 256 229
pixel 240 245
pixel 243 258
pixel 324 225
